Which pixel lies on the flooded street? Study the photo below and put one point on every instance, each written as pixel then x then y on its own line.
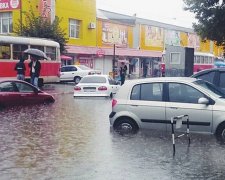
pixel 71 139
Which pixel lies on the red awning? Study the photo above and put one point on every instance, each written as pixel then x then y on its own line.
pixel 109 51
pixel 64 57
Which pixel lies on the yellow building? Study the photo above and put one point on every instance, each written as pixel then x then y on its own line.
pixel 78 19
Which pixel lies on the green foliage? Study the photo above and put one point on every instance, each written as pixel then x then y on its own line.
pixel 211 19
pixel 37 26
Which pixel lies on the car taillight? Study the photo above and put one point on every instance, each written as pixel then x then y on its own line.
pixel 77 88
pixel 114 102
pixel 102 88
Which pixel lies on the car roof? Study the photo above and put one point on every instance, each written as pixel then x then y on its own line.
pixel 207 71
pixel 12 80
pixel 128 85
pixel 163 79
pixel 97 75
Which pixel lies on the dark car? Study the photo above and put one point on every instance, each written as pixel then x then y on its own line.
pixel 15 92
pixel 215 76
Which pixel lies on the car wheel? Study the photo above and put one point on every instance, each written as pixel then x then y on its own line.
pixel 220 132
pixel 77 79
pixel 126 125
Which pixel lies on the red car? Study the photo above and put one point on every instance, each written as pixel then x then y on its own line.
pixel 16 92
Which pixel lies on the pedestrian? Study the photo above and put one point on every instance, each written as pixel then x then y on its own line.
pixel 123 71
pixel 20 68
pixel 35 68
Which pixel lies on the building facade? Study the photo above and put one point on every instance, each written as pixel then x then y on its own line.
pixel 101 38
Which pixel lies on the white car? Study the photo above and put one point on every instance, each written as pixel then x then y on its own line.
pixel 152 102
pixel 96 85
pixel 75 72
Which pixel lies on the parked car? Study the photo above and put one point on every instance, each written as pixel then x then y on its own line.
pixel 75 72
pixel 151 103
pixel 215 76
pixel 96 85
pixel 15 92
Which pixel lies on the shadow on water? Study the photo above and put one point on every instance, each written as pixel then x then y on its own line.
pixel 72 139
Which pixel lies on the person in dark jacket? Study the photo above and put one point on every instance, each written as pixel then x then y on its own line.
pixel 123 71
pixel 20 68
pixel 35 69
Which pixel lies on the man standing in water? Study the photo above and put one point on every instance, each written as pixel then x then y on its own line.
pixel 123 71
pixel 35 68
pixel 20 68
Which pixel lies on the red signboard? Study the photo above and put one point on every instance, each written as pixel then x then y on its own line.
pixel 100 53
pixel 9 5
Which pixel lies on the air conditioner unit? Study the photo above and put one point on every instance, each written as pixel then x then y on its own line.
pixel 91 25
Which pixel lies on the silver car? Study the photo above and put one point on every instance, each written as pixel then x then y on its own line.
pixel 150 103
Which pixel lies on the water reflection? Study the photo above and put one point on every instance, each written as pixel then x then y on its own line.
pixel 72 139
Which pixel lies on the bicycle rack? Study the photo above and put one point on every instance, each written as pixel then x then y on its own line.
pixel 178 121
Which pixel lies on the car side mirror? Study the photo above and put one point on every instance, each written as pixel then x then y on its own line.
pixel 203 100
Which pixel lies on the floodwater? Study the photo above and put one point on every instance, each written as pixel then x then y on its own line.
pixel 72 140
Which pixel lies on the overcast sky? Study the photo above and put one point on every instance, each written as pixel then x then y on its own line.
pixel 167 11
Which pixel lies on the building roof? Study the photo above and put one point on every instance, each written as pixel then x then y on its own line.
pixel 132 20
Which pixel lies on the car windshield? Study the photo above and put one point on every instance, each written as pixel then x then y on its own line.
pixel 84 67
pixel 209 87
pixel 93 80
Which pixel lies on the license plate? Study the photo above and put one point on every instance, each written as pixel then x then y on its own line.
pixel 89 90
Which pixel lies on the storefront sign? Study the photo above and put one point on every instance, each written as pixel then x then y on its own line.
pixel 9 4
pixel 100 53
pixel 172 38
pixel 193 41
pixel 114 34
pixel 154 36
pixel 47 9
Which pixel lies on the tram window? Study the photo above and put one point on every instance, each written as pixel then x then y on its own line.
pixel 18 49
pixel 198 59
pixel 206 60
pixel 5 51
pixel 51 53
pixel 195 61
pixel 37 47
pixel 202 59
pixel 210 60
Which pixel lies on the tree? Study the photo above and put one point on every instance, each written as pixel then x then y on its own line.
pixel 211 19
pixel 37 26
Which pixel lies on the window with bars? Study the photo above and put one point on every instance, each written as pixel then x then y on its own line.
pixel 5 22
pixel 74 28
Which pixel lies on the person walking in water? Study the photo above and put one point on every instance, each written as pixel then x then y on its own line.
pixel 123 71
pixel 20 68
pixel 35 68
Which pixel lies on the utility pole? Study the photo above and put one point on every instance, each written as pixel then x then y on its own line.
pixel 21 18
pixel 114 60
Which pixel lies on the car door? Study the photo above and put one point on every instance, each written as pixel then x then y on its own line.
pixel 28 93
pixel 9 95
pixel 146 102
pixel 183 100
